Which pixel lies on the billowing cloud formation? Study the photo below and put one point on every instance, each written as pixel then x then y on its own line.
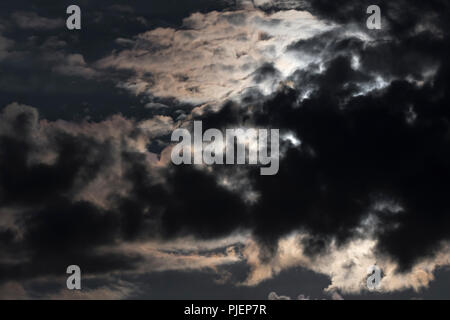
pixel 91 192
pixel 215 55
pixel 346 266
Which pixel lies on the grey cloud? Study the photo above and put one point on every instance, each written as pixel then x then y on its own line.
pixel 31 20
pixel 275 296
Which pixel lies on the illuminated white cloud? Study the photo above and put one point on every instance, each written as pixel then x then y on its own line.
pixel 346 266
pixel 215 55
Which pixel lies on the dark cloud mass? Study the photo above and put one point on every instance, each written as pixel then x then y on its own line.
pixel 84 169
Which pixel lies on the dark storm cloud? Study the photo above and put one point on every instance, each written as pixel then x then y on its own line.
pixel 390 144
pixel 21 183
pixel 402 17
pixel 265 72
pixel 57 229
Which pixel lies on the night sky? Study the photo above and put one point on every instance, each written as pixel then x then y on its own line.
pixel 86 178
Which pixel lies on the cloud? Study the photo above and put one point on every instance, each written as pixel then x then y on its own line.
pixel 215 55
pixel 31 20
pixel 91 193
pixel 346 266
pixel 334 295
pixel 118 291
pixel 359 148
pixel 169 256
pixel 280 4
pixel 275 296
pixel 74 65
pixel 5 45
pixel 13 291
